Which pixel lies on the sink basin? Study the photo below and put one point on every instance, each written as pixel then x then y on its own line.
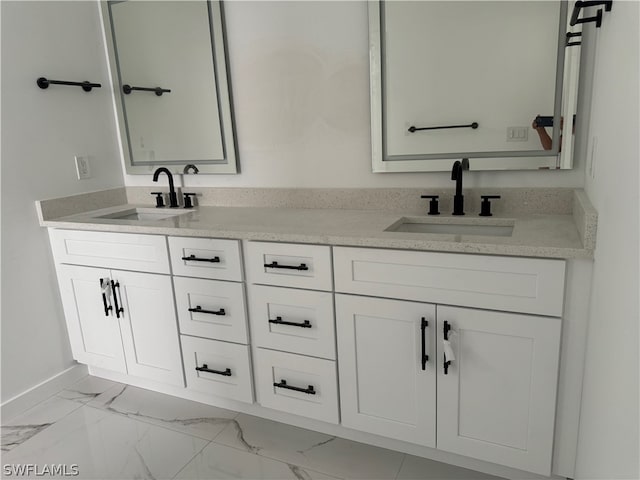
pixel 142 214
pixel 422 225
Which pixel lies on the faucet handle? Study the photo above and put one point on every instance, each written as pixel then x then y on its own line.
pixel 485 206
pixel 187 200
pixel 159 199
pixel 433 204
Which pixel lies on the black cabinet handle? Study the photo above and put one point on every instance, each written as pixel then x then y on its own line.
pixel 205 368
pixel 445 330
pixel 119 309
pixel 193 258
pixel 127 89
pixel 302 266
pixel 283 384
pixel 423 327
pixel 107 308
pixel 279 321
pixel 199 309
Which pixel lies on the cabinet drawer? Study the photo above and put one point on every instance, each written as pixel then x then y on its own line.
pixel 206 258
pixel 230 361
pixel 123 251
pixel 306 386
pixel 497 283
pixel 290 265
pixel 211 309
pixel 298 321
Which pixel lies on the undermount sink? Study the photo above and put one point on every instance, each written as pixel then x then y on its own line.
pixel 423 225
pixel 142 214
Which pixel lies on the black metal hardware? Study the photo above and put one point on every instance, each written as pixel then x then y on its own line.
pixel 579 5
pixel 570 35
pixel 412 128
pixel 283 384
pixel 456 174
pixel 199 309
pixel 173 197
pixel 127 89
pixel 190 166
pixel 159 199
pixel 423 327
pixel 118 309
pixel 205 368
pixel 107 308
pixel 193 258
pixel 86 85
pixel 433 204
pixel 485 206
pixel 187 200
pixel 302 266
pixel 446 363
pixel 279 321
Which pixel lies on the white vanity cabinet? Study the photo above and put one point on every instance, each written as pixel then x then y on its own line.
pixel 119 320
pixel 492 375
pixel 387 366
pixel 496 399
pixel 292 323
pixel 454 353
pixel 212 315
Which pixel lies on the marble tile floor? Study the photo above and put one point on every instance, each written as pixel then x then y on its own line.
pixel 109 430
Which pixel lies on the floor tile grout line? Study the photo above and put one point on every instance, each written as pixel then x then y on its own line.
pixel 404 458
pixel 192 459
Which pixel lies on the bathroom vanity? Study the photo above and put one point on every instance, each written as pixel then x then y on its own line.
pixel 465 348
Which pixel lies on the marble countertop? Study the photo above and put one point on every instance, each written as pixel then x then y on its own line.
pixel 534 235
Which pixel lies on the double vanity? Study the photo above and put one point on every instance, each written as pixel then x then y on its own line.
pixel 455 338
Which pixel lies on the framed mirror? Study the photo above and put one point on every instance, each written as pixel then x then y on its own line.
pixel 491 81
pixel 171 90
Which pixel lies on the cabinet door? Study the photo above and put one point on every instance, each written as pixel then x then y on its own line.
pixel 94 331
pixel 149 326
pixel 385 388
pixel 496 401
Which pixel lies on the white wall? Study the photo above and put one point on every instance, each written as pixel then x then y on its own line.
pixel 608 443
pixel 41 132
pixel 300 78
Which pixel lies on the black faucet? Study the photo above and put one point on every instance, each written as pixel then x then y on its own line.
pixel 173 198
pixel 456 174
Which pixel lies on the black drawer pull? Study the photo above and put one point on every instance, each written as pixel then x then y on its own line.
pixel 205 368
pixel 115 288
pixel 302 266
pixel 445 332
pixel 423 327
pixel 279 321
pixel 193 258
pixel 283 384
pixel 107 308
pixel 199 309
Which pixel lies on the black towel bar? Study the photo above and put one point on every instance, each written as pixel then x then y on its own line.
pixel 44 83
pixel 473 125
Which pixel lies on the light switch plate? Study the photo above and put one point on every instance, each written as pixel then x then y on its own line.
pixel 517 134
pixel 82 167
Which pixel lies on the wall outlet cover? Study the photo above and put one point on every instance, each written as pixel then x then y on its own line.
pixel 82 167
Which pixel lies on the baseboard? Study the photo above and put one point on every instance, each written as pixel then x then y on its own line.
pixel 29 398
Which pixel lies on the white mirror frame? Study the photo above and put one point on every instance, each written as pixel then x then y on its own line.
pixel 230 165
pixel 567 83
